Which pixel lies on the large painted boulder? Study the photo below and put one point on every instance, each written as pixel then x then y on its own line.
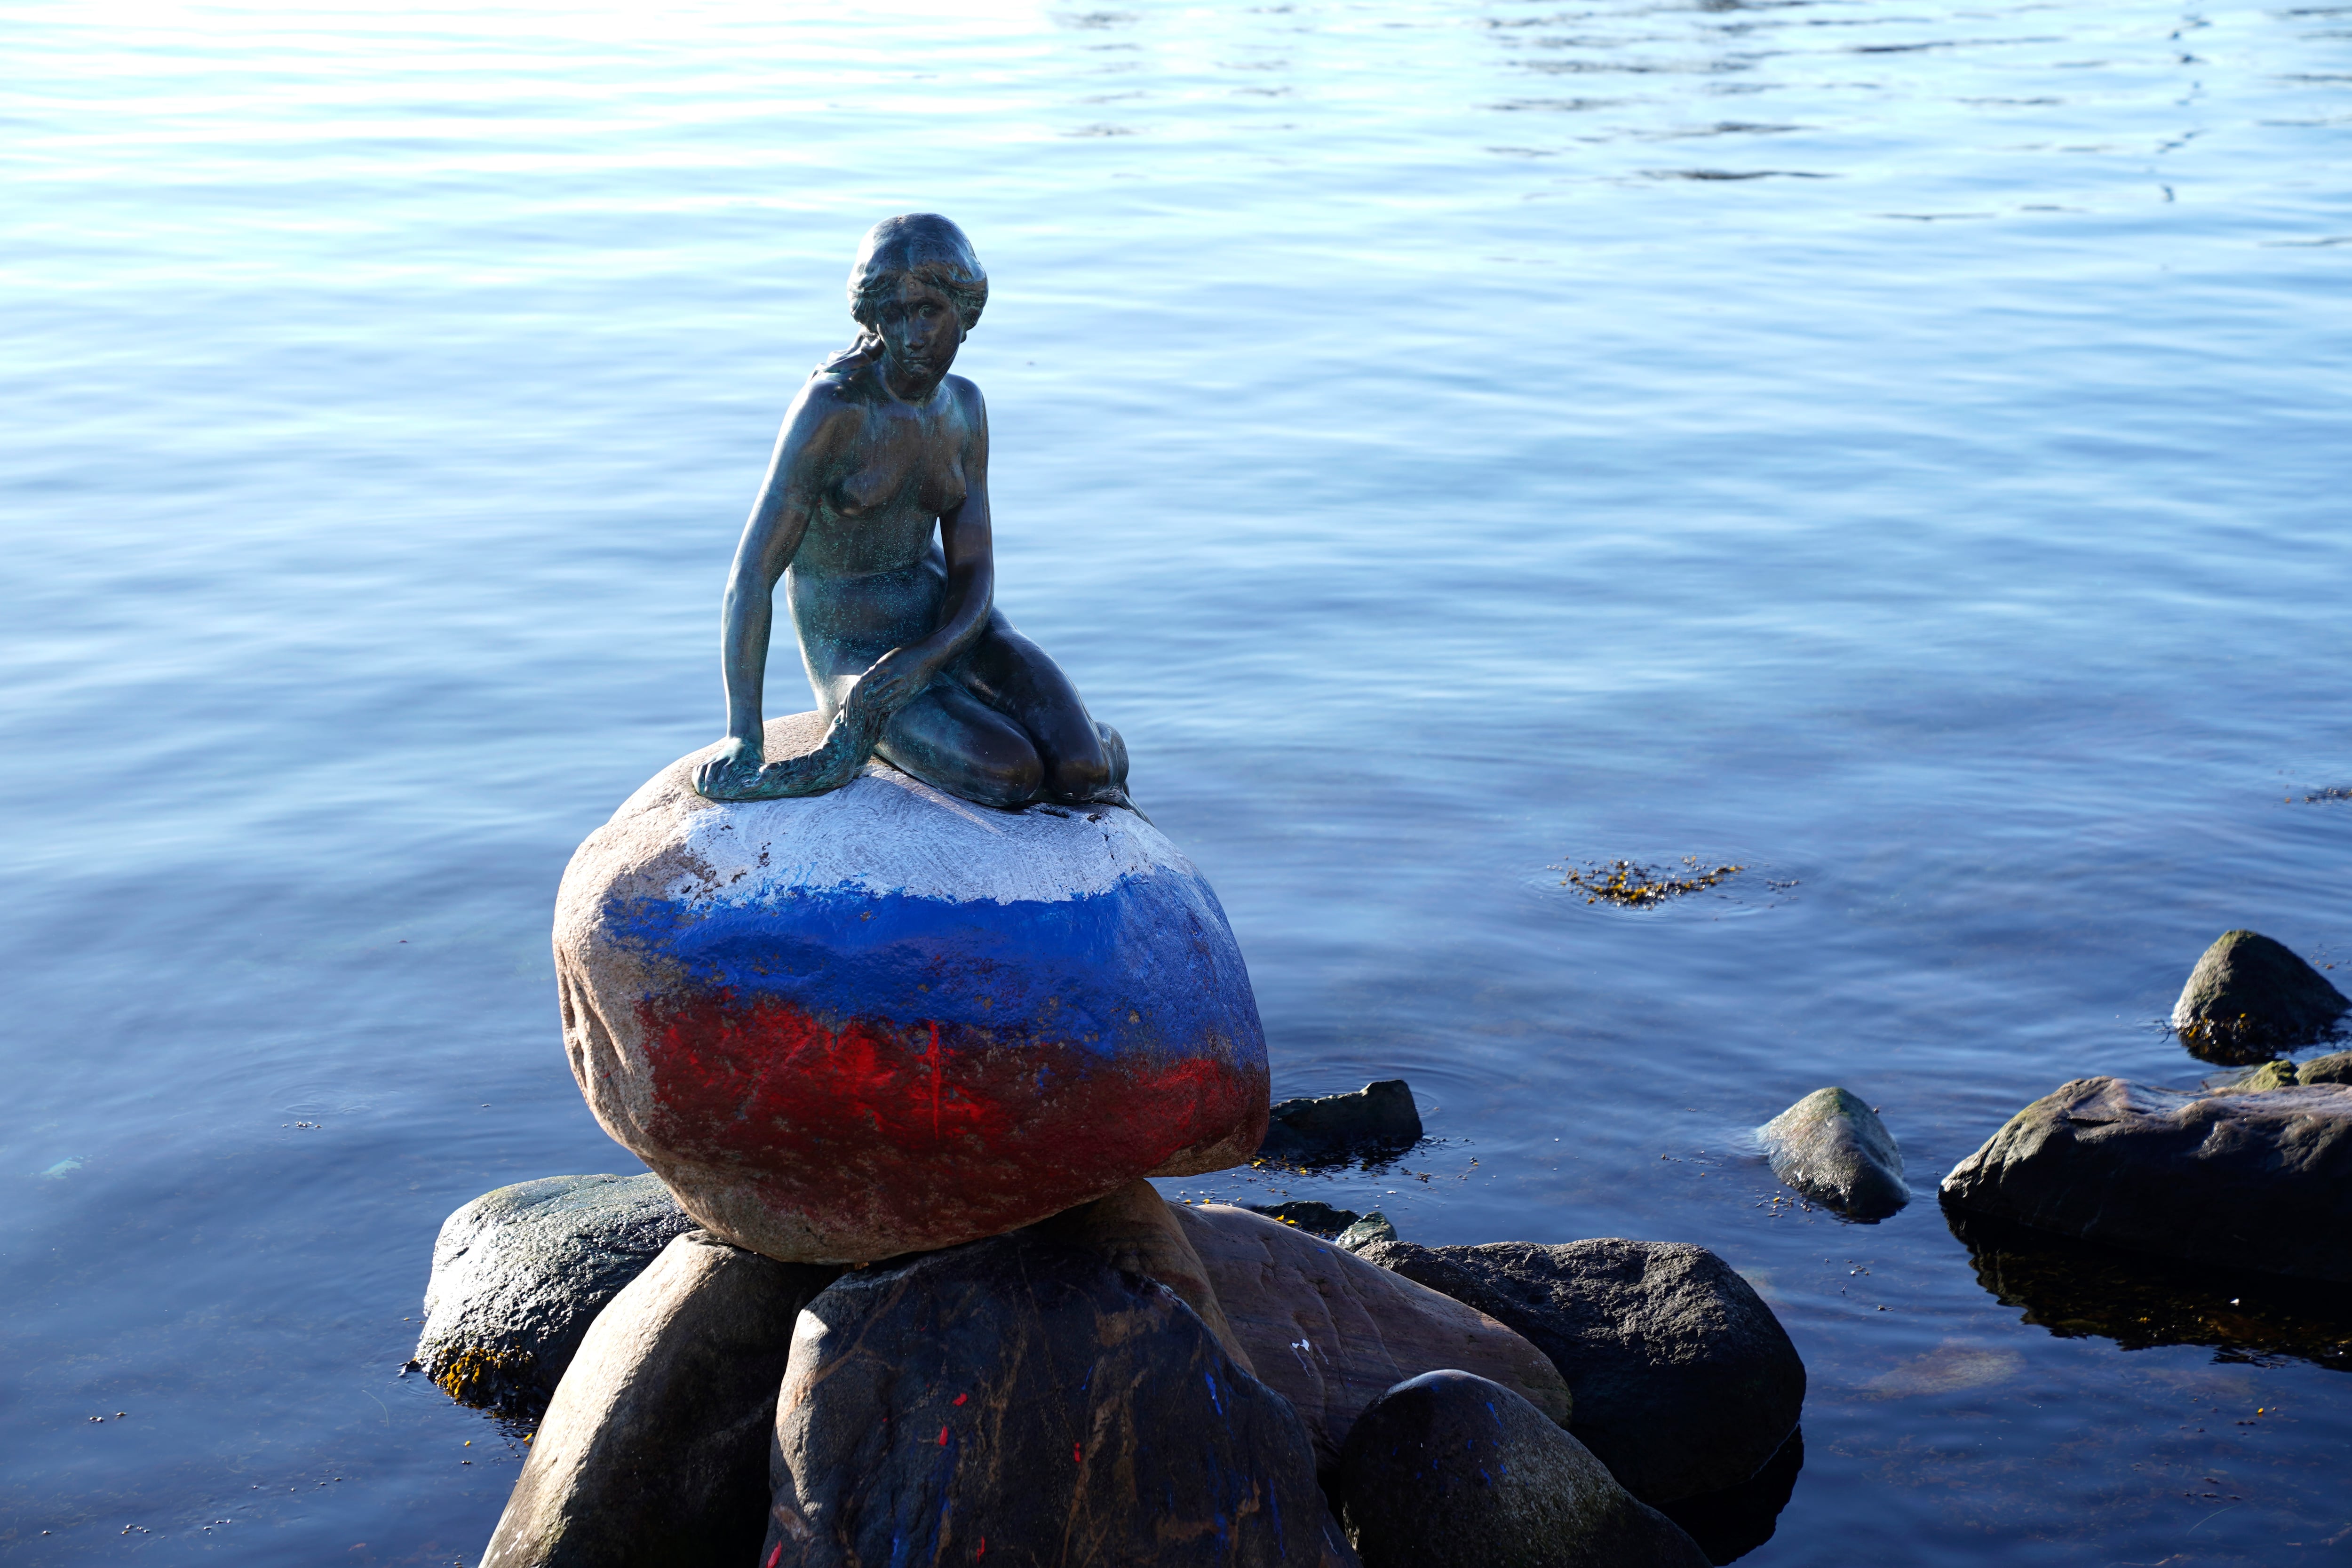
pixel 885 1020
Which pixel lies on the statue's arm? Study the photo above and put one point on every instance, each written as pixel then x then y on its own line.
pixel 779 518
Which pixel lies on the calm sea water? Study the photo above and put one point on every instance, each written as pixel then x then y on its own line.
pixel 1898 447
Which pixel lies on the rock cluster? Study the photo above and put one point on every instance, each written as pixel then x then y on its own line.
pixel 905 1065
pixel 2254 1173
pixel 1133 1380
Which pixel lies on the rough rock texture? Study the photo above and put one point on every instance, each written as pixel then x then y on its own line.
pixel 2250 998
pixel 1374 1227
pixel 1331 1332
pixel 1834 1149
pixel 654 1453
pixel 2260 1180
pixel 1448 1471
pixel 851 1026
pixel 1023 1401
pixel 1318 1218
pixel 520 1273
pixel 1683 1381
pixel 1379 1118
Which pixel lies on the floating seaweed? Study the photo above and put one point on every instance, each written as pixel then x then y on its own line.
pixel 1636 886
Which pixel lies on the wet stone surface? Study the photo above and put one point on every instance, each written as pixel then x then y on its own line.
pixel 520 1273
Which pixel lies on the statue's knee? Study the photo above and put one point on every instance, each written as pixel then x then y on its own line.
pixel 1076 778
pixel 1011 778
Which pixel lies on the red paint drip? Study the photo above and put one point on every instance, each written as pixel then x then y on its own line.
pixel 1077 1455
pixel 961 1397
pixel 983 1550
pixel 773 1557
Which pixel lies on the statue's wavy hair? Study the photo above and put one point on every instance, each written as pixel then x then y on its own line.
pixel 924 246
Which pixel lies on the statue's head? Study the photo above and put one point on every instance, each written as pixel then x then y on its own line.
pixel 923 248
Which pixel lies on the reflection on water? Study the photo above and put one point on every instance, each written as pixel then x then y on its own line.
pixel 1731 1523
pixel 2077 1289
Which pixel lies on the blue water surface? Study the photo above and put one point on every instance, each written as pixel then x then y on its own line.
pixel 1897 446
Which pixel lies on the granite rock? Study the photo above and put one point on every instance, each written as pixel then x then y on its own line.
pixel 1448 1471
pixel 1378 1119
pixel 1833 1148
pixel 654 1453
pixel 883 1020
pixel 2255 1180
pixel 1683 1381
pixel 1022 1400
pixel 2250 998
pixel 520 1273
pixel 1374 1227
pixel 1331 1332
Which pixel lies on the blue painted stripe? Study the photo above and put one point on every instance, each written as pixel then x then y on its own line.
pixel 1155 945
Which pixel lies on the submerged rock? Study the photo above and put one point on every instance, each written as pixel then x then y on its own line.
pixel 2257 1180
pixel 852 1026
pixel 1448 1471
pixel 1331 1332
pixel 1374 1227
pixel 520 1273
pixel 1833 1148
pixel 1023 1401
pixel 654 1453
pixel 2250 998
pixel 1683 1381
pixel 1379 1118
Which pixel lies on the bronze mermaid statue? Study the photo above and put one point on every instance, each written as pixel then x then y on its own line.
pixel 875 514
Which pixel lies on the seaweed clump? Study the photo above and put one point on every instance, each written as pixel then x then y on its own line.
pixel 499 1381
pixel 1632 885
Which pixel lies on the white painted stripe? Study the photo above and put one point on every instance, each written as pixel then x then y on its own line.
pixel 889 833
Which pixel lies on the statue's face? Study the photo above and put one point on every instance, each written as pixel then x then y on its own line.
pixel 920 330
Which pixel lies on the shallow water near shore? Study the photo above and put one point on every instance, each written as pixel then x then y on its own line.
pixel 1897 449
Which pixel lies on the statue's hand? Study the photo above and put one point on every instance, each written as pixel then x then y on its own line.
pixel 890 682
pixel 733 773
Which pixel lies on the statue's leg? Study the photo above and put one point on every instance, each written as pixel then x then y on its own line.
pixel 950 739
pixel 1013 675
